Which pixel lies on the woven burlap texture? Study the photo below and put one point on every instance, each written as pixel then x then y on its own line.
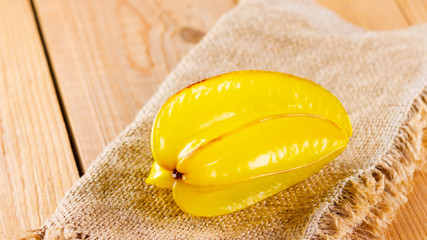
pixel 380 78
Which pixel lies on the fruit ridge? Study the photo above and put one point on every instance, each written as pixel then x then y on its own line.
pixel 227 142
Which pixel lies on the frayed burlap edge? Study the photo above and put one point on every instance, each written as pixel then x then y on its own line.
pixel 67 232
pixel 369 200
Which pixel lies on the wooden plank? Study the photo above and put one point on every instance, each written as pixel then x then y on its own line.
pixel 36 162
pixel 415 11
pixel 109 56
pixel 411 219
pixel 373 15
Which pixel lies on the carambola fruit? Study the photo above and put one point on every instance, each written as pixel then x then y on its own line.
pixel 229 141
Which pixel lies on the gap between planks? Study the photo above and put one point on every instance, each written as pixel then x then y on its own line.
pixel 36 162
pixel 62 107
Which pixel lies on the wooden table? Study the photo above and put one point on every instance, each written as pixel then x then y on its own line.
pixel 73 74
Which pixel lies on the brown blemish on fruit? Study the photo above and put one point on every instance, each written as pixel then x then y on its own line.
pixel 177 175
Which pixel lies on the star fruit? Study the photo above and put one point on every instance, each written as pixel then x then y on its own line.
pixel 230 141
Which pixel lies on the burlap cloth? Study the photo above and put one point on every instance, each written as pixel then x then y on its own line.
pixel 380 77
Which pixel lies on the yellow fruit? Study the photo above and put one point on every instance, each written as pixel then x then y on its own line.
pixel 229 141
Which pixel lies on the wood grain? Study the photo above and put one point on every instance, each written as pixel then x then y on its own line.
pixel 411 219
pixel 109 56
pixel 372 15
pixel 36 162
pixel 414 11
